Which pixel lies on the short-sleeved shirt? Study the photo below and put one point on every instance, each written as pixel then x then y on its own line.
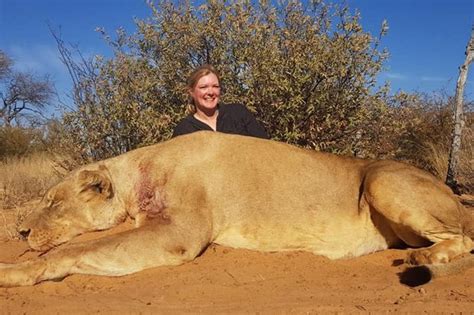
pixel 232 118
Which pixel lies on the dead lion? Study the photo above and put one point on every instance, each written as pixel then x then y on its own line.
pixel 240 192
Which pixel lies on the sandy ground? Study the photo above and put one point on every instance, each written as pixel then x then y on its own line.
pixel 225 280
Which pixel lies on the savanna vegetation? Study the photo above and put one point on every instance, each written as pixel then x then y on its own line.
pixel 308 71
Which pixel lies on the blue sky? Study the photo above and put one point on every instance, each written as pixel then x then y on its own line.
pixel 426 39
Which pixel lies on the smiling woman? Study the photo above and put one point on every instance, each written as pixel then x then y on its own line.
pixel 207 114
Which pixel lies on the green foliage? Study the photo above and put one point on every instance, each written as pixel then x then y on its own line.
pixel 120 112
pixel 307 71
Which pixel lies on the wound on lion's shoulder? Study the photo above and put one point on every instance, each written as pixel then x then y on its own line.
pixel 151 196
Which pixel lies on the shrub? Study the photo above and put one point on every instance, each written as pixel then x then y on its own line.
pixel 307 71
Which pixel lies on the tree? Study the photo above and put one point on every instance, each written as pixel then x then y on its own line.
pixel 21 93
pixel 5 64
pixel 451 178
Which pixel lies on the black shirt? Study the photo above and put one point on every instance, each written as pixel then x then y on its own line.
pixel 232 118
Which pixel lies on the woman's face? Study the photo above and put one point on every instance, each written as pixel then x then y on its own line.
pixel 206 92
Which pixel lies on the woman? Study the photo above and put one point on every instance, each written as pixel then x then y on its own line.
pixel 207 114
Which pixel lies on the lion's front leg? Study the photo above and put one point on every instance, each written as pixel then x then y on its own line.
pixel 21 274
pixel 115 255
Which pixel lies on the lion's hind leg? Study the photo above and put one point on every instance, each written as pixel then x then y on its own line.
pixel 421 211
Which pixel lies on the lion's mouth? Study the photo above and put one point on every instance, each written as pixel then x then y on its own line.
pixel 44 242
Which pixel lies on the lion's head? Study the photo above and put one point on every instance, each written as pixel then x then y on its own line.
pixel 83 202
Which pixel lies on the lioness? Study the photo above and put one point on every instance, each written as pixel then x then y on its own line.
pixel 240 192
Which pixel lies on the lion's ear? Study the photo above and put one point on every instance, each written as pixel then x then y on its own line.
pixel 96 181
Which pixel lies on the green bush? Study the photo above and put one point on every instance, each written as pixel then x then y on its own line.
pixel 307 71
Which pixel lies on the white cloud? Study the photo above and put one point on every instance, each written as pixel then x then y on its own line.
pixel 39 59
pixel 396 76
pixel 433 79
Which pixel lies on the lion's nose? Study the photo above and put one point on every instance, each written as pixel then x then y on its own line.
pixel 24 232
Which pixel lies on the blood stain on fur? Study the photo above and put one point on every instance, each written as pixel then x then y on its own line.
pixel 151 196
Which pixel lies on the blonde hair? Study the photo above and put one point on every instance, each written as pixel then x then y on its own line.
pixel 193 79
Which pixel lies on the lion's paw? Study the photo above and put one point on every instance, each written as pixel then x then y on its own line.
pixel 426 257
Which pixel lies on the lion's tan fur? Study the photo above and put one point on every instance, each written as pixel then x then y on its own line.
pixel 241 192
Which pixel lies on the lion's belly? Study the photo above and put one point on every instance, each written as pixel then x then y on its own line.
pixel 342 238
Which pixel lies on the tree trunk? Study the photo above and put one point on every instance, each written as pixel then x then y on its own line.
pixel 452 175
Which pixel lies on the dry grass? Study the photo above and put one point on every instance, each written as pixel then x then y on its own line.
pixel 22 182
pixel 27 178
pixel 437 156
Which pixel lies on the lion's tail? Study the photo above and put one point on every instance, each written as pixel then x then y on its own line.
pixel 451 268
pixel 419 275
